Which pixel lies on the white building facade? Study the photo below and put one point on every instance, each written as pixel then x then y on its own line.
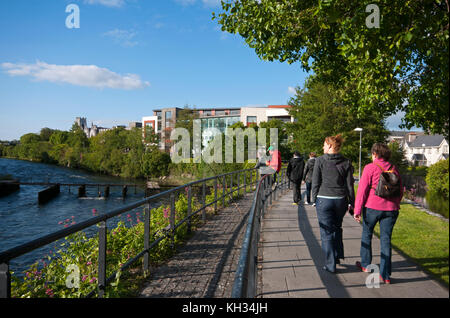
pixel 426 150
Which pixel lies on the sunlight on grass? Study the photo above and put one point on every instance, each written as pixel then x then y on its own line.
pixel 424 238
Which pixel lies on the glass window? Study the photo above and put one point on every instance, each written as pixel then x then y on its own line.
pixel 251 120
pixel 220 113
pixel 235 112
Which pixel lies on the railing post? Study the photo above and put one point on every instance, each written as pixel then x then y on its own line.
pixel 270 187
pixel 238 184
pixel 231 186
pixel 224 184
pixel 102 259
pixel 275 177
pixel 172 218
pixel 245 182
pixel 215 195
pixel 204 201
pixel 5 281
pixel 147 216
pixel 189 209
pixel 263 195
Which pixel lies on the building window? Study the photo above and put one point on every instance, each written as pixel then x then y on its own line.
pixel 235 112
pixel 207 113
pixel 220 113
pixel 284 119
pixel 168 116
pixel 251 120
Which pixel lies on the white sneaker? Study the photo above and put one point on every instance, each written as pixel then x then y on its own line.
pixel 313 204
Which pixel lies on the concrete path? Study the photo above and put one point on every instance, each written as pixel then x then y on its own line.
pixel 292 261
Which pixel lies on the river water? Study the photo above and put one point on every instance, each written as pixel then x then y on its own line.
pixel 22 219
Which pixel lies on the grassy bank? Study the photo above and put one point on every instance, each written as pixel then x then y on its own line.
pixel 424 239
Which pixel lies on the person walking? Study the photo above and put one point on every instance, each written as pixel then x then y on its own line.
pixel 274 163
pixel 307 175
pixel 375 207
pixel 294 172
pixel 333 193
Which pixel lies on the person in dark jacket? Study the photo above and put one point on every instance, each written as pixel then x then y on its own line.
pixel 307 175
pixel 295 174
pixel 333 193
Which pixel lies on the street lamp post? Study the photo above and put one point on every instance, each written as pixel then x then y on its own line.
pixel 360 146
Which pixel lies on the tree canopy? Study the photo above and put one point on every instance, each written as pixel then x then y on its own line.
pixel 318 113
pixel 401 65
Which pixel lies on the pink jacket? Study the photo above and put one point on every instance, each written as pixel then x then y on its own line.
pixel 366 189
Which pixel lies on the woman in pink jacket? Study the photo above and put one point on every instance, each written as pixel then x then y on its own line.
pixel 377 209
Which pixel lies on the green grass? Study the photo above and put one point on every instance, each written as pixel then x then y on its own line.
pixel 424 239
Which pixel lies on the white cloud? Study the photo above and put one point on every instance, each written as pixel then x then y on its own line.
pixel 206 3
pixel 79 75
pixel 122 37
pixel 107 3
pixel 291 90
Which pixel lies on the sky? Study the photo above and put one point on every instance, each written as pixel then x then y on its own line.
pixel 124 59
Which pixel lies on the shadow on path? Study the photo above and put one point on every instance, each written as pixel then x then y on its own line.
pixel 332 284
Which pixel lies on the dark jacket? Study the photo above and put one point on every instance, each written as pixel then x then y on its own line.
pixel 295 169
pixel 309 168
pixel 333 177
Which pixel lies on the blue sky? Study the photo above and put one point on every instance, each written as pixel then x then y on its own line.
pixel 127 58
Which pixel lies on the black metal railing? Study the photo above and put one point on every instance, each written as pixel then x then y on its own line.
pixel 245 282
pixel 242 178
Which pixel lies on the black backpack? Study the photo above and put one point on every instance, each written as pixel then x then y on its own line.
pixel 389 184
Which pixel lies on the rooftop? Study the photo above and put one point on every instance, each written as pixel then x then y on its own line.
pixel 427 141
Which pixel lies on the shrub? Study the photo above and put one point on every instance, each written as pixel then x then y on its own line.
pixel 437 203
pixel 437 178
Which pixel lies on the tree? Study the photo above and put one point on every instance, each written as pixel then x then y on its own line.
pixel 400 66
pixel 155 164
pixel 398 157
pixel 46 133
pixel 319 113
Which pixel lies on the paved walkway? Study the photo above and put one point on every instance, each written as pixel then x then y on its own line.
pixel 205 266
pixel 292 261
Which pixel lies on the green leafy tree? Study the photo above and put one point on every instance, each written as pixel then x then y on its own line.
pixel 401 65
pixel 155 163
pixel 319 113
pixel 46 133
pixel 398 157
pixel 59 137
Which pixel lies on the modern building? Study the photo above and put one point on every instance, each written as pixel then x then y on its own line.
pixel 256 115
pixel 134 124
pixel 163 120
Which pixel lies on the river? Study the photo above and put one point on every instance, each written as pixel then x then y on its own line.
pixel 22 219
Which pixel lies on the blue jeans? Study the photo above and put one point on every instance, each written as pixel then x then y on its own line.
pixel 308 192
pixel 330 213
pixel 387 221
